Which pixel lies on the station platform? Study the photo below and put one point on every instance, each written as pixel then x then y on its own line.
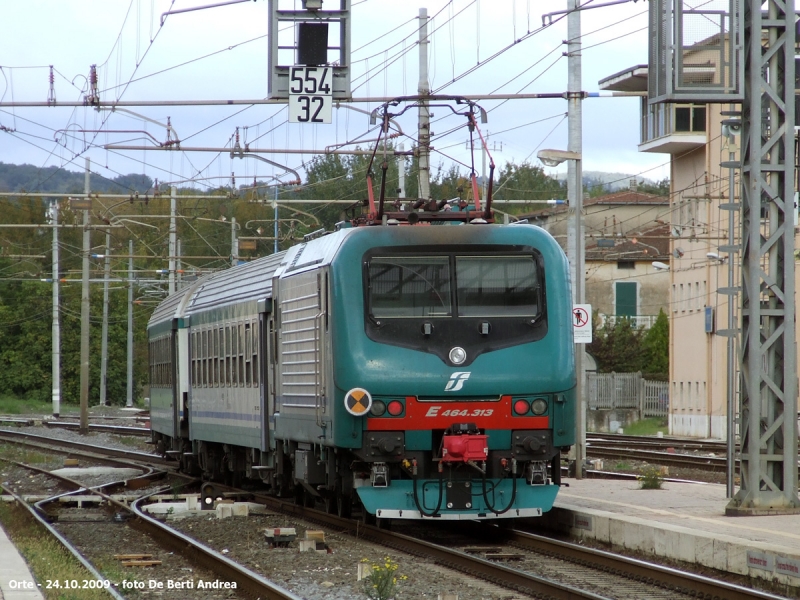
pixel 680 521
pixel 16 581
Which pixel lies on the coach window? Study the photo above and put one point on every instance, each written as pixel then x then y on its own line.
pixel 256 340
pixel 234 355
pixel 207 358
pixel 193 351
pixel 248 363
pixel 241 355
pixel 227 349
pixel 203 355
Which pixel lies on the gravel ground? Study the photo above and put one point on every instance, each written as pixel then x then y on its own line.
pixel 331 575
pixel 314 576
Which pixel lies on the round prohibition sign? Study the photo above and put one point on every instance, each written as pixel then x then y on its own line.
pixel 580 317
pixel 358 401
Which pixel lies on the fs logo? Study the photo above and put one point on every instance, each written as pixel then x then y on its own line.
pixel 457 380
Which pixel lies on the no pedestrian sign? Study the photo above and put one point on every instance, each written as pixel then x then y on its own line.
pixel 582 323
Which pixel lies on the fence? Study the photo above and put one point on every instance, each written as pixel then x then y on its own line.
pixel 609 391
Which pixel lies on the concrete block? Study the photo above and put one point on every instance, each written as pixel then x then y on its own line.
pixel 224 511
pixel 685 547
pixel 616 531
pixel 315 535
pixel 312 546
pixel 704 551
pixel 662 542
pixel 737 559
pixel 192 503
pixel 448 596
pixel 720 555
pixel 306 545
pixel 240 509
pixel 602 529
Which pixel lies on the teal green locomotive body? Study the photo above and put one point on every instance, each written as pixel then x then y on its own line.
pixel 415 372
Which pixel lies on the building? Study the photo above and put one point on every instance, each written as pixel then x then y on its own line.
pixel 625 233
pixel 692 134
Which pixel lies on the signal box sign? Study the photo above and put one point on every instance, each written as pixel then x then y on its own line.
pixel 582 323
pixel 310 94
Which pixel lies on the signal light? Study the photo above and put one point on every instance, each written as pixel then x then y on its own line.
pixel 395 408
pixel 539 406
pixel 378 408
pixel 521 407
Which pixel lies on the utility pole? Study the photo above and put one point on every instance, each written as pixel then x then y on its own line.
pixel 275 217
pixel 401 173
pixel 104 335
pixel 575 196
pixel 731 332
pixel 87 248
pixel 173 234
pixel 179 265
pixel 56 358
pixel 129 391
pixel 234 244
pixel 424 120
pixel 768 402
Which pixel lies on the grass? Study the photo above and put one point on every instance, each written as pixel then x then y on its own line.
pixel 46 557
pixel 130 441
pixel 23 454
pixel 18 406
pixel 650 426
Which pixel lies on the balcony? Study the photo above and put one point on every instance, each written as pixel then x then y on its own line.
pixel 672 128
pixel 665 128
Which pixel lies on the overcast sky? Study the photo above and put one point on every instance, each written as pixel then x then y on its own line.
pixel 221 53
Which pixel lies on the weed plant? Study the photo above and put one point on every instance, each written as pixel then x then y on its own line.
pixel 650 478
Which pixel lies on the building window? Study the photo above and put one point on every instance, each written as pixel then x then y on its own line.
pixel 626 264
pixel 691 118
pixel 626 298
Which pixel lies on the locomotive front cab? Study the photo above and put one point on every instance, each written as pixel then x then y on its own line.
pixel 469 416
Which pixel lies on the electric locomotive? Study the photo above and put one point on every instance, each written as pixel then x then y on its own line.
pixel 409 369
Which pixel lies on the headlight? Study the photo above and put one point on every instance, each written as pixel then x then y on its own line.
pixel 539 406
pixel 458 355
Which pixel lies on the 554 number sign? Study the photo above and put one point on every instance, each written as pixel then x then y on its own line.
pixel 310 94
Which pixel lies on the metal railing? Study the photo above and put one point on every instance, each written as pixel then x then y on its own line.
pixel 609 391
pixel 643 321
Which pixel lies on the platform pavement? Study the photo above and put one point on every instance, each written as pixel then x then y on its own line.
pixel 680 521
pixel 13 568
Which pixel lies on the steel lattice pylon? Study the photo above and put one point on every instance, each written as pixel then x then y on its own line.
pixel 768 408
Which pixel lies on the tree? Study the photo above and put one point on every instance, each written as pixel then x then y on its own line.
pixel 655 347
pixel 617 348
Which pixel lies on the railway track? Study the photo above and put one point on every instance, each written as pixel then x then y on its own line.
pixel 224 570
pixel 605 570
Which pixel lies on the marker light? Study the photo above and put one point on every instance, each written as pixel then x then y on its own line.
pixel 378 408
pixel 539 406
pixel 395 408
pixel 521 407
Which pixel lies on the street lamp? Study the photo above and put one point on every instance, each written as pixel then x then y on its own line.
pixel 552 158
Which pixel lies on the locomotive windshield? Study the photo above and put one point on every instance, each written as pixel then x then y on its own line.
pixel 485 286
pixel 410 286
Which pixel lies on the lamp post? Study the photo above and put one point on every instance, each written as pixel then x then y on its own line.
pixel 576 251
